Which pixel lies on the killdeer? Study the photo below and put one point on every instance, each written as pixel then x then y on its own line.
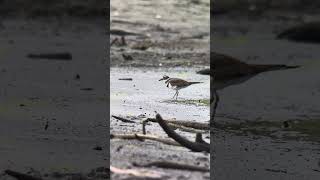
pixel 227 71
pixel 176 84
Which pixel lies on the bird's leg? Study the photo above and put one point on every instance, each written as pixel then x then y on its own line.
pixel 177 94
pixel 215 105
pixel 174 95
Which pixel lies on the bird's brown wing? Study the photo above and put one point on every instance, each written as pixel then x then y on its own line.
pixel 177 81
pixel 227 67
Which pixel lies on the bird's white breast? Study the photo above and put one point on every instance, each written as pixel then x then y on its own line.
pixel 172 87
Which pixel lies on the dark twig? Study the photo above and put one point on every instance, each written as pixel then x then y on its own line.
pixel 215 105
pixel 185 129
pixel 125 79
pixel 144 123
pixel 123 119
pixel 194 146
pixel 144 137
pixel 173 165
pixel 184 126
pixel 21 176
pixel 200 140
pixel 114 41
pixel 190 124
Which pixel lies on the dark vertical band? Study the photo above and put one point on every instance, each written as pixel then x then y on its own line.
pixel 212 155
pixel 107 70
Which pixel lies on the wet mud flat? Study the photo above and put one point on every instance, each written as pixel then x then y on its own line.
pixel 268 126
pixel 136 94
pixel 137 100
pixel 172 50
pixel 36 8
pixel 52 111
pixel 169 44
pixel 174 35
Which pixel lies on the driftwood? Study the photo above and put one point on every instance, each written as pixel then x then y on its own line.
pixel 200 140
pixel 177 125
pixel 125 79
pixel 194 146
pixel 21 176
pixel 198 146
pixel 119 32
pixel 139 173
pixel 144 137
pixel 187 126
pixel 173 165
pixel 123 119
pixel 190 124
pixel 186 129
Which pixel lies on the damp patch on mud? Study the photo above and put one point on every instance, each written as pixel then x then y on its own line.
pixel 195 102
pixel 308 130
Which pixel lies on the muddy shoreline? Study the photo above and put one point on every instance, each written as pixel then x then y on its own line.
pixel 58 8
pixel 169 45
pixel 253 140
pixel 43 109
pixel 138 100
pixel 268 125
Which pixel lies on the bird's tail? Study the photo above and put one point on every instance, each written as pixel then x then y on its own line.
pixel 194 82
pixel 262 68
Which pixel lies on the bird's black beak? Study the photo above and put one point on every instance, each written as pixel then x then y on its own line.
pixel 161 79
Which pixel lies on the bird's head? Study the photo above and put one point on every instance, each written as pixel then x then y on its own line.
pixel 164 78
